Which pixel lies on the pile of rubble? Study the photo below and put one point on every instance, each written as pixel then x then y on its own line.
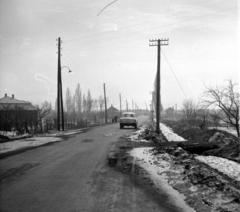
pixel 202 183
pixel 205 188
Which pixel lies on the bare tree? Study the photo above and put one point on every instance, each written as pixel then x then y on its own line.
pixel 101 104
pixel 227 99
pixel 43 111
pixel 78 99
pixel 190 112
pixel 84 105
pixel 73 107
pixel 89 103
pixel 214 116
pixel 68 101
pixel 203 117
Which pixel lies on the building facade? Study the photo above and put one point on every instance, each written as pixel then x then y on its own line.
pixel 16 114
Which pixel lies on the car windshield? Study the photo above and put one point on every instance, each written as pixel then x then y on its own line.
pixel 128 115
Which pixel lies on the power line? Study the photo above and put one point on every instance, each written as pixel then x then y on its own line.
pixel 106 7
pixel 174 75
pixel 136 33
pixel 147 22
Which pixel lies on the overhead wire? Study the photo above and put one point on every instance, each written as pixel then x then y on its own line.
pixel 142 23
pixel 174 74
pixel 114 39
pixel 106 7
pixel 135 39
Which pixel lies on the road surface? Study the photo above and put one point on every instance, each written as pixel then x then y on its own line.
pixel 73 176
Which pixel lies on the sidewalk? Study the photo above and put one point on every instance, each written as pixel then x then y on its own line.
pixel 18 144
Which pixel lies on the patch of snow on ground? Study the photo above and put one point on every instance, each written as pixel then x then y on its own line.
pixel 154 165
pixel 70 132
pixel 135 135
pixel 169 134
pixel 29 142
pixel 228 167
pixel 229 130
pixel 7 133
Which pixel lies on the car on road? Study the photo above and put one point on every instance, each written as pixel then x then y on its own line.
pixel 128 119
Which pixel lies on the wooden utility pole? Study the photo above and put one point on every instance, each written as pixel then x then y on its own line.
pixel 120 105
pixel 158 83
pixel 105 103
pixel 59 84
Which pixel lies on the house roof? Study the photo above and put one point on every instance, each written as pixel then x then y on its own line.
pixel 112 108
pixel 169 109
pixel 5 101
pixel 10 100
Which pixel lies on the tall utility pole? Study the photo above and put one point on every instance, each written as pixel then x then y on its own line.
pixel 105 103
pixel 126 105
pixel 59 86
pixel 158 43
pixel 132 105
pixel 60 111
pixel 120 105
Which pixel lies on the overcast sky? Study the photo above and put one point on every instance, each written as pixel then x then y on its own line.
pixel 113 47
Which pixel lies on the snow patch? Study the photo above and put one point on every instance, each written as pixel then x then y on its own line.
pixel 228 167
pixel 169 134
pixel 29 142
pixel 70 132
pixel 135 135
pixel 155 167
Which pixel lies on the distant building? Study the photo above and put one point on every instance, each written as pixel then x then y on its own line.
pixel 169 113
pixel 112 112
pixel 17 114
pixel 13 103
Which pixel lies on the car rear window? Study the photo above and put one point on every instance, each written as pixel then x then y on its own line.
pixel 128 115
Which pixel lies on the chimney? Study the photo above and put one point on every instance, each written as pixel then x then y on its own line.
pixel 13 96
pixel 5 95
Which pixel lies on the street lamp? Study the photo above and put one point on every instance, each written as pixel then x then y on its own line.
pixel 59 97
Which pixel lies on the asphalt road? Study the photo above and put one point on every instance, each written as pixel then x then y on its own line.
pixel 73 176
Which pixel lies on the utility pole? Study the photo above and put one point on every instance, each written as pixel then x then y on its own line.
pixel 59 87
pixel 126 105
pixel 120 105
pixel 132 105
pixel 105 103
pixel 158 86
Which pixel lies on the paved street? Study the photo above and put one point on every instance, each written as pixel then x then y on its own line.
pixel 73 175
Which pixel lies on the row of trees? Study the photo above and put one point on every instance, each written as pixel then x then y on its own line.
pixel 83 107
pixel 78 108
pixel 217 104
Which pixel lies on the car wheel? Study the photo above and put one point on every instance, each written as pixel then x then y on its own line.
pixel 135 126
pixel 121 126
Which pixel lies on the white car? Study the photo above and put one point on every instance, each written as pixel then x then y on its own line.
pixel 128 119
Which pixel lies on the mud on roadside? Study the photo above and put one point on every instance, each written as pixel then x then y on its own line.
pixel 205 189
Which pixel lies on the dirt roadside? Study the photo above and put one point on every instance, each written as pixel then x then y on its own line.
pixel 205 189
